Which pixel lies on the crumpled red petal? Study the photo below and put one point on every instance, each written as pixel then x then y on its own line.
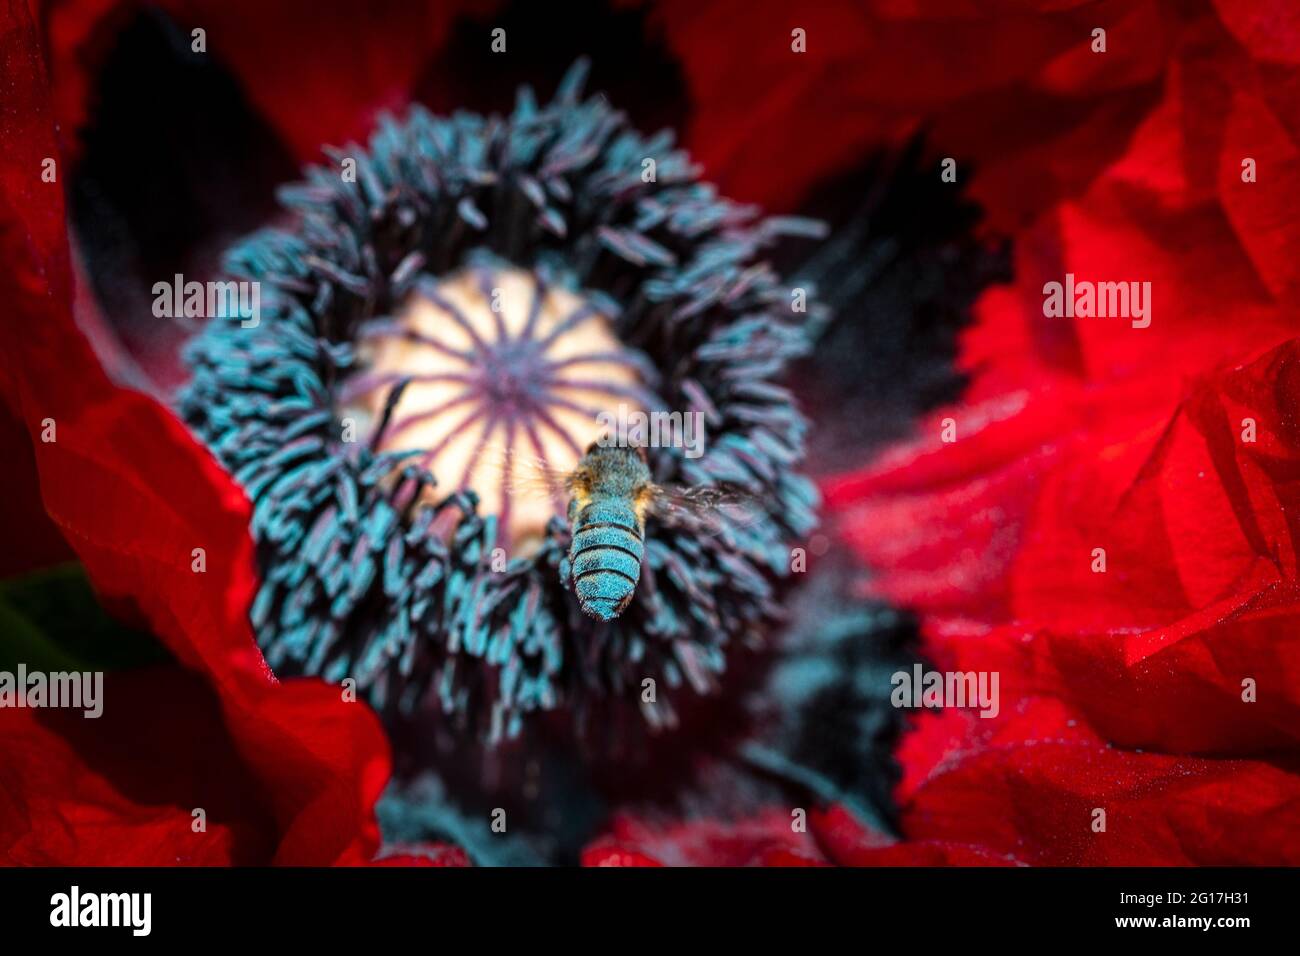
pixel 424 854
pixel 846 842
pixel 134 495
pixel 1170 453
pixel 127 788
pixel 830 836
pixel 769 838
pixel 1012 87
pixel 1028 786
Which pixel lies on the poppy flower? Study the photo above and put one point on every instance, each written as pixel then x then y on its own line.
pixel 298 495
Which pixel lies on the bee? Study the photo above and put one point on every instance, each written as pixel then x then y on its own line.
pixel 611 494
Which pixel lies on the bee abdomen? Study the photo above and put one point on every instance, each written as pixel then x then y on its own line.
pixel 606 557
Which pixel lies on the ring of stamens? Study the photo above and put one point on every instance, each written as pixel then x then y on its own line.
pixel 362 575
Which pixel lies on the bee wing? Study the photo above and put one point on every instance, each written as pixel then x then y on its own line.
pixel 705 509
pixel 526 475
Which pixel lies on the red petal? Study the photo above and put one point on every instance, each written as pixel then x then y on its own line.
pixel 21 512
pixel 848 843
pixel 1089 433
pixel 769 838
pixel 1270 29
pixel 1012 87
pixel 1032 796
pixel 121 790
pixel 319 71
pixel 424 854
pixel 134 494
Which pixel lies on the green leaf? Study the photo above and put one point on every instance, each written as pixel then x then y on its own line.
pixel 51 620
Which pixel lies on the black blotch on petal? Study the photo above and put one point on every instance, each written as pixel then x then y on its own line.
pixel 175 165
pixel 629 65
pixel 900 274
pixel 836 728
pixel 806 721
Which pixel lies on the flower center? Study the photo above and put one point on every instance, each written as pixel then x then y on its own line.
pixel 504 381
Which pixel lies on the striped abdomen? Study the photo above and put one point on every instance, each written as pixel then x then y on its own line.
pixel 605 556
